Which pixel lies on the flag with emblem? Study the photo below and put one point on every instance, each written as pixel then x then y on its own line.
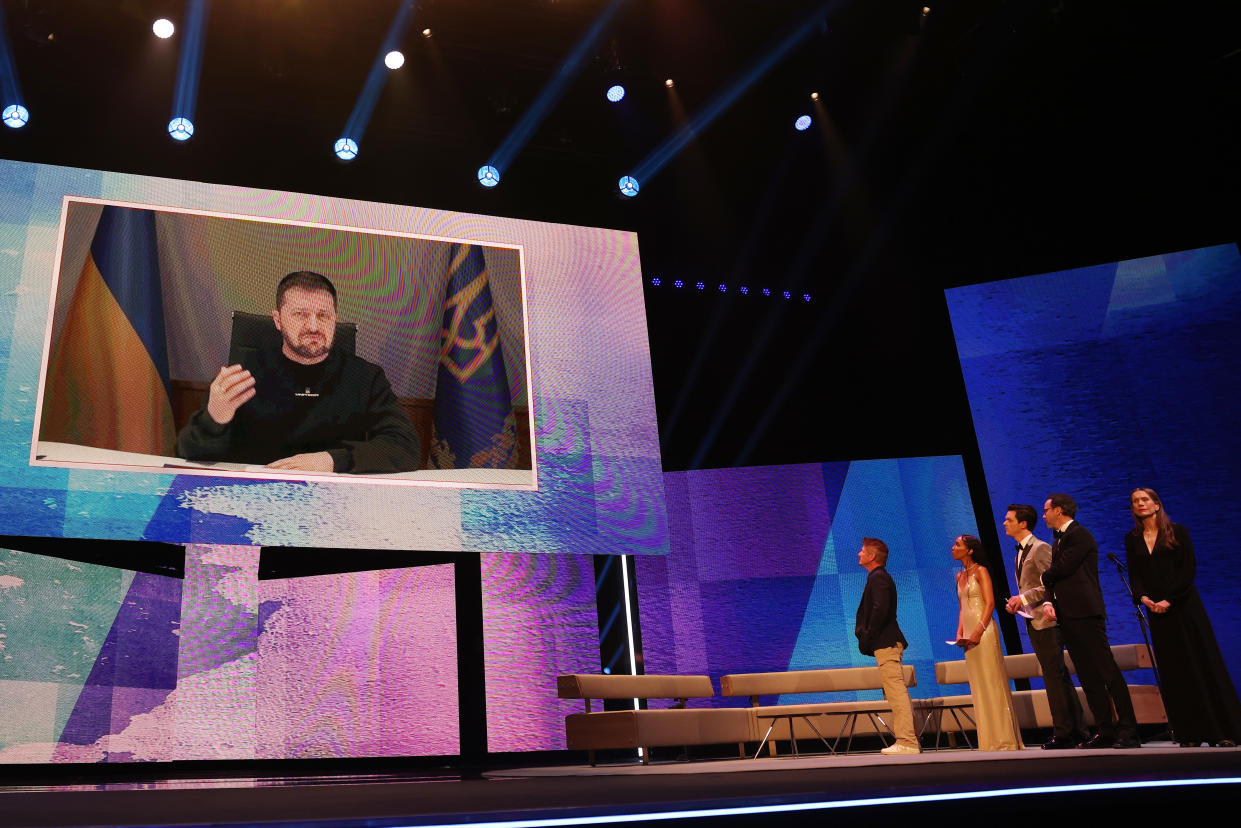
pixel 473 424
pixel 107 378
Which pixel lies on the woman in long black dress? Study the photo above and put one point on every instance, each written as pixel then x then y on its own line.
pixel 1198 693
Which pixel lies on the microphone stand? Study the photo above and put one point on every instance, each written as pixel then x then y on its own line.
pixel 1121 571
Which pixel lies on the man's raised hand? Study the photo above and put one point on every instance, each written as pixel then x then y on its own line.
pixel 232 388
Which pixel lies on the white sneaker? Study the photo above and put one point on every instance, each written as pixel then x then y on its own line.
pixel 900 750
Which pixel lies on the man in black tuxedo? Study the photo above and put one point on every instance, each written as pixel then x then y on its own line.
pixel 880 636
pixel 1076 602
pixel 1033 559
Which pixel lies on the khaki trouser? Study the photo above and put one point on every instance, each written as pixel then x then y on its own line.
pixel 897 694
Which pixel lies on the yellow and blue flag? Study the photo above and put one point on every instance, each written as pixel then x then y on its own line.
pixel 473 420
pixel 107 379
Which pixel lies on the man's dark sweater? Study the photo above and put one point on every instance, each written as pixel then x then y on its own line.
pixel 343 405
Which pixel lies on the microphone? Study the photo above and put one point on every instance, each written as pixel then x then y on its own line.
pixel 1111 556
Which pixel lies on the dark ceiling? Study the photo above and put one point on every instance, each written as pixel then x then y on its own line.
pixel 988 139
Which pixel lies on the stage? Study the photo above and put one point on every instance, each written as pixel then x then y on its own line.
pixel 1159 778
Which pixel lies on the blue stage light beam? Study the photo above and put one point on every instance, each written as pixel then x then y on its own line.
pixel 942 135
pixel 12 102
pixel 189 69
pixel 551 92
pixel 676 142
pixel 364 106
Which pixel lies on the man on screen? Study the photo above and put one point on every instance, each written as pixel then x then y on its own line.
pixel 306 406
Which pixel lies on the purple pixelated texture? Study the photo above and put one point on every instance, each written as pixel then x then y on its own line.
pixel 764 519
pixel 219 620
pixel 358 664
pixel 139 655
pixel 539 621
pixel 745 549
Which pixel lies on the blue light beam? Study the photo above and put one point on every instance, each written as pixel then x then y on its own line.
pixel 189 64
pixel 10 90
pixel 551 92
pixel 364 106
pixel 676 142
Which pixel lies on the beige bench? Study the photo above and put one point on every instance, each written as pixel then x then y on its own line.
pixel 677 726
pixel 834 720
pixel 1031 705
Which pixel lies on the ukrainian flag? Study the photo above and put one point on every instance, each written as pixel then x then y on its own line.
pixel 473 421
pixel 107 379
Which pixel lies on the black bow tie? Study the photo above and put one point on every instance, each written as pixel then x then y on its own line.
pixel 1020 547
pixel 1059 533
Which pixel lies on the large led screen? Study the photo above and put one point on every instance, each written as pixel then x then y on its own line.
pixel 1100 380
pixel 539 621
pixel 443 381
pixel 763 575
pixel 104 664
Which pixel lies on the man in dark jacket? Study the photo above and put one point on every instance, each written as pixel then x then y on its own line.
pixel 1076 602
pixel 306 407
pixel 879 635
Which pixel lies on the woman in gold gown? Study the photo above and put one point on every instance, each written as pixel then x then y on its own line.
pixel 976 634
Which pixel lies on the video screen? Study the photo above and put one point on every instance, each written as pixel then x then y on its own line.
pixel 107 664
pixel 764 576
pixel 216 345
pixel 1099 380
pixel 194 363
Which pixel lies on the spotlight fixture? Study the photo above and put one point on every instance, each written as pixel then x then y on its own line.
pixel 802 124
pixel 926 10
pixel 163 28
pixel 766 291
pixel 615 93
pixel 723 288
pixel 15 116
pixel 814 96
pixel 488 175
pixel 668 83
pixel 745 291
pixel 394 59
pixel 180 128
pixel 700 285
pixel 806 297
pixel 788 295
pixel 655 281
pixel 346 149
pixel 628 186
pixel 678 284
pixel 426 32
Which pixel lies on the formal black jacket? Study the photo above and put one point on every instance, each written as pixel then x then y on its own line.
pixel 876 626
pixel 343 406
pixel 1072 580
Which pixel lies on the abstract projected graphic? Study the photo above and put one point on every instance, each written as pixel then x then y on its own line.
pixel 539 621
pixel 478 384
pixel 1100 380
pixel 109 665
pixel 763 572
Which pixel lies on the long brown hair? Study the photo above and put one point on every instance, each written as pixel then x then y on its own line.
pixel 1162 522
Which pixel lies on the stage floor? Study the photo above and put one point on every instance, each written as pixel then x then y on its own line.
pixel 892 790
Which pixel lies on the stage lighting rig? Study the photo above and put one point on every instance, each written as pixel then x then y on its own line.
pixel 180 128
pixel 488 175
pixel 346 149
pixel 15 116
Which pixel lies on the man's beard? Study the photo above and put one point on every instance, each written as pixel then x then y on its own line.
pixel 315 349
